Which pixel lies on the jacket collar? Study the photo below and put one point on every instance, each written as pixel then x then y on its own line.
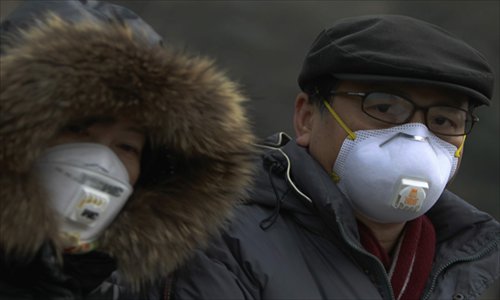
pixel 461 226
pixel 313 186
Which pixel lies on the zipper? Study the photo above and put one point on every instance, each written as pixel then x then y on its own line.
pixel 477 256
pixel 381 267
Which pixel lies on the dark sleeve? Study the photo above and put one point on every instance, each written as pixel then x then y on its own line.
pixel 38 277
pixel 89 270
pixel 216 273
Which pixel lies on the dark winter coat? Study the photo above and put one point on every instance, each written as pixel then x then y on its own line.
pixel 297 238
pixel 201 147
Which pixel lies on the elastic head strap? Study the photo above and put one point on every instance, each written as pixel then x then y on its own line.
pixel 334 176
pixel 351 135
pixel 458 153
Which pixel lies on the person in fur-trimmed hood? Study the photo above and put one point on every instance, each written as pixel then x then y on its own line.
pixel 119 156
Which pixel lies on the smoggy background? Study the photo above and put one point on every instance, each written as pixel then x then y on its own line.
pixel 261 44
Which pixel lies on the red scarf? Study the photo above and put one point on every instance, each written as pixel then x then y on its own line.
pixel 411 263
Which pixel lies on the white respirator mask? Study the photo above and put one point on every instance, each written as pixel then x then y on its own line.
pixel 396 174
pixel 87 185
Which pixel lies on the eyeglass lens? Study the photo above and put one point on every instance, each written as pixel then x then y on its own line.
pixel 394 109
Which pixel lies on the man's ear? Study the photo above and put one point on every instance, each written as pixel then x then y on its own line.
pixel 303 119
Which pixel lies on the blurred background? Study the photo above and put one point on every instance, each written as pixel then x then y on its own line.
pixel 261 44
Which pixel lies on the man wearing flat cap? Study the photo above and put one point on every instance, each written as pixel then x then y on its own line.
pixel 356 206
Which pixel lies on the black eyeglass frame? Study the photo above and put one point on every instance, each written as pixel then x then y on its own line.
pixel 363 95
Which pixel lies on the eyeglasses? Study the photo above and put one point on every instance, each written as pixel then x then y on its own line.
pixel 397 110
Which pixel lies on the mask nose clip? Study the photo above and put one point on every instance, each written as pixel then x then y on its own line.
pixel 97 167
pixel 417 138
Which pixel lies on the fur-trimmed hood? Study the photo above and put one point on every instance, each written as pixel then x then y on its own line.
pixel 56 72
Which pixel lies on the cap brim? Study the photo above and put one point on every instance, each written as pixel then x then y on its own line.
pixel 476 97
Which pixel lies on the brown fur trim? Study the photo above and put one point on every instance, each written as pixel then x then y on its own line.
pixel 58 72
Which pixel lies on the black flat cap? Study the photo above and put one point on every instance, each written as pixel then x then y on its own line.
pixel 393 48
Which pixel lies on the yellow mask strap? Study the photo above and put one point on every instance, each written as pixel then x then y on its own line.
pixel 351 135
pixel 334 177
pixel 458 153
pixel 77 246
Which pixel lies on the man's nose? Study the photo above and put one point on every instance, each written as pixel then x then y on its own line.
pixel 418 117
